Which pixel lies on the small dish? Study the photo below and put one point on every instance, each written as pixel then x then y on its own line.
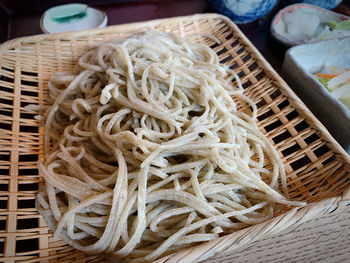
pixel 299 65
pixel 72 17
pixel 307 31
pixel 242 12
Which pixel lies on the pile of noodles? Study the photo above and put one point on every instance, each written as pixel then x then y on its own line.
pixel 146 152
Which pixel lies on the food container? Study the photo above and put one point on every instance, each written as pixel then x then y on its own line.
pixel 327 4
pixel 72 17
pixel 242 12
pixel 317 168
pixel 309 13
pixel 299 65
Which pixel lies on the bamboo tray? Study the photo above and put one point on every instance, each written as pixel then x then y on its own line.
pixel 318 169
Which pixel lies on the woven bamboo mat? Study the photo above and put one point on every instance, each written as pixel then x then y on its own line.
pixel 317 167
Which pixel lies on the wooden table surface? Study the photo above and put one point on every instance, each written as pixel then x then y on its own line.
pixel 324 239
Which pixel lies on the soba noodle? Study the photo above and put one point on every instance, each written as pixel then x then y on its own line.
pixel 146 151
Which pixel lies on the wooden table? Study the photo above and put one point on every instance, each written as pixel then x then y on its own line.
pixel 324 239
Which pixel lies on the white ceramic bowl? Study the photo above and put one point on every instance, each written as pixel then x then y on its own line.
pixel 92 18
pixel 299 65
pixel 278 26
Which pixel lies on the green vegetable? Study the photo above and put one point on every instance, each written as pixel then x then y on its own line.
pixel 324 81
pixel 343 25
pixel 67 13
pixel 68 19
